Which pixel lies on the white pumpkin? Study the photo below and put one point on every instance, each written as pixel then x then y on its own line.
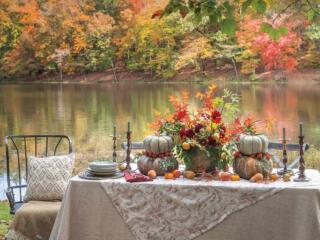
pixel 253 144
pixel 158 144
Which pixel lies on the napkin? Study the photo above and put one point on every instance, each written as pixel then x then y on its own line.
pixel 136 177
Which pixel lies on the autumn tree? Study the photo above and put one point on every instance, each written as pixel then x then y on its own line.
pixel 70 26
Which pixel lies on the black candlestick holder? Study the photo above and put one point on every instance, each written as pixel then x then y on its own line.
pixel 128 159
pixel 302 177
pixel 285 169
pixel 114 147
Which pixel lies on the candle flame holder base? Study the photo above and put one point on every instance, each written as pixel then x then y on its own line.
pixel 284 171
pixel 302 179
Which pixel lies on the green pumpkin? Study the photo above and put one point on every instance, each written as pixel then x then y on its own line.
pixel 253 144
pixel 160 165
pixel 247 167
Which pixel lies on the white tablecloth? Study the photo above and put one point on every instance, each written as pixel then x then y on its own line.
pixel 103 210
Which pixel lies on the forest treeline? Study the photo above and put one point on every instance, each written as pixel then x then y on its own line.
pixel 159 38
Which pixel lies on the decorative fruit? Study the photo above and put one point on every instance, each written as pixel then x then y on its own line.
pixel 160 165
pixel 268 156
pixel 223 156
pixel 157 144
pixel 216 136
pixel 259 156
pixel 186 146
pixel 152 174
pixel 168 176
pixel 253 144
pixel 257 178
pixel 225 176
pixel 189 174
pixel 287 177
pixel 237 154
pixel 122 167
pixel 246 167
pixel 235 177
pixel 176 173
pixel 274 177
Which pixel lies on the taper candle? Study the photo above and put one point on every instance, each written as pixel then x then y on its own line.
pixel 114 131
pixel 283 134
pixel 128 126
pixel 301 128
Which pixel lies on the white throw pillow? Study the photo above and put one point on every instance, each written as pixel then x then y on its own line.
pixel 48 177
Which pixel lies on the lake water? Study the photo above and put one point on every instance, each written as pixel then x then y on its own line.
pixel 87 113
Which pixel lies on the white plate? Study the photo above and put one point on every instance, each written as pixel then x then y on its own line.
pixel 102 165
pixel 102 169
pixel 102 174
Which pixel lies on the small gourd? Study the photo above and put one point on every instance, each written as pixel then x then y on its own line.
pixel 258 177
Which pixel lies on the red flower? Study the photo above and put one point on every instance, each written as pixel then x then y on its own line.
pixel 183 133
pixel 211 141
pixel 216 117
pixel 223 128
pixel 190 133
pixel 248 122
pixel 198 127
pixel 181 114
pixel 222 135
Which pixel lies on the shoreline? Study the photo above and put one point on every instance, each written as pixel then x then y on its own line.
pixel 182 77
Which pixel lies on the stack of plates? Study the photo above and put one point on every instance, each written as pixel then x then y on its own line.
pixel 102 168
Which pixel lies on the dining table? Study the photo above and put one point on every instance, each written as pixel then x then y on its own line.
pixel 182 209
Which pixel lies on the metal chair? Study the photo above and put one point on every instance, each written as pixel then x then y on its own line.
pixel 17 148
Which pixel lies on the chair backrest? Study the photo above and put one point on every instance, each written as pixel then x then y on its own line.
pixel 134 145
pixel 276 146
pixel 17 150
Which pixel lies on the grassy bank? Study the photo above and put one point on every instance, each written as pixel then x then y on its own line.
pixel 5 218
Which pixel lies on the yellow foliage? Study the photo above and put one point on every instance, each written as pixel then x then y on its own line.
pixel 193 51
pixel 312 56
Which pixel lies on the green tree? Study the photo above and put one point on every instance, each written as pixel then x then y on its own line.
pixel 151 45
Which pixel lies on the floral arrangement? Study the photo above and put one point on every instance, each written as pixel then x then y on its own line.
pixel 203 138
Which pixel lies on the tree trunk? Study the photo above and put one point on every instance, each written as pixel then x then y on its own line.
pixel 115 78
pixel 235 69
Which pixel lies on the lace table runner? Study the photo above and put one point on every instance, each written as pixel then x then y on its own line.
pixel 184 209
